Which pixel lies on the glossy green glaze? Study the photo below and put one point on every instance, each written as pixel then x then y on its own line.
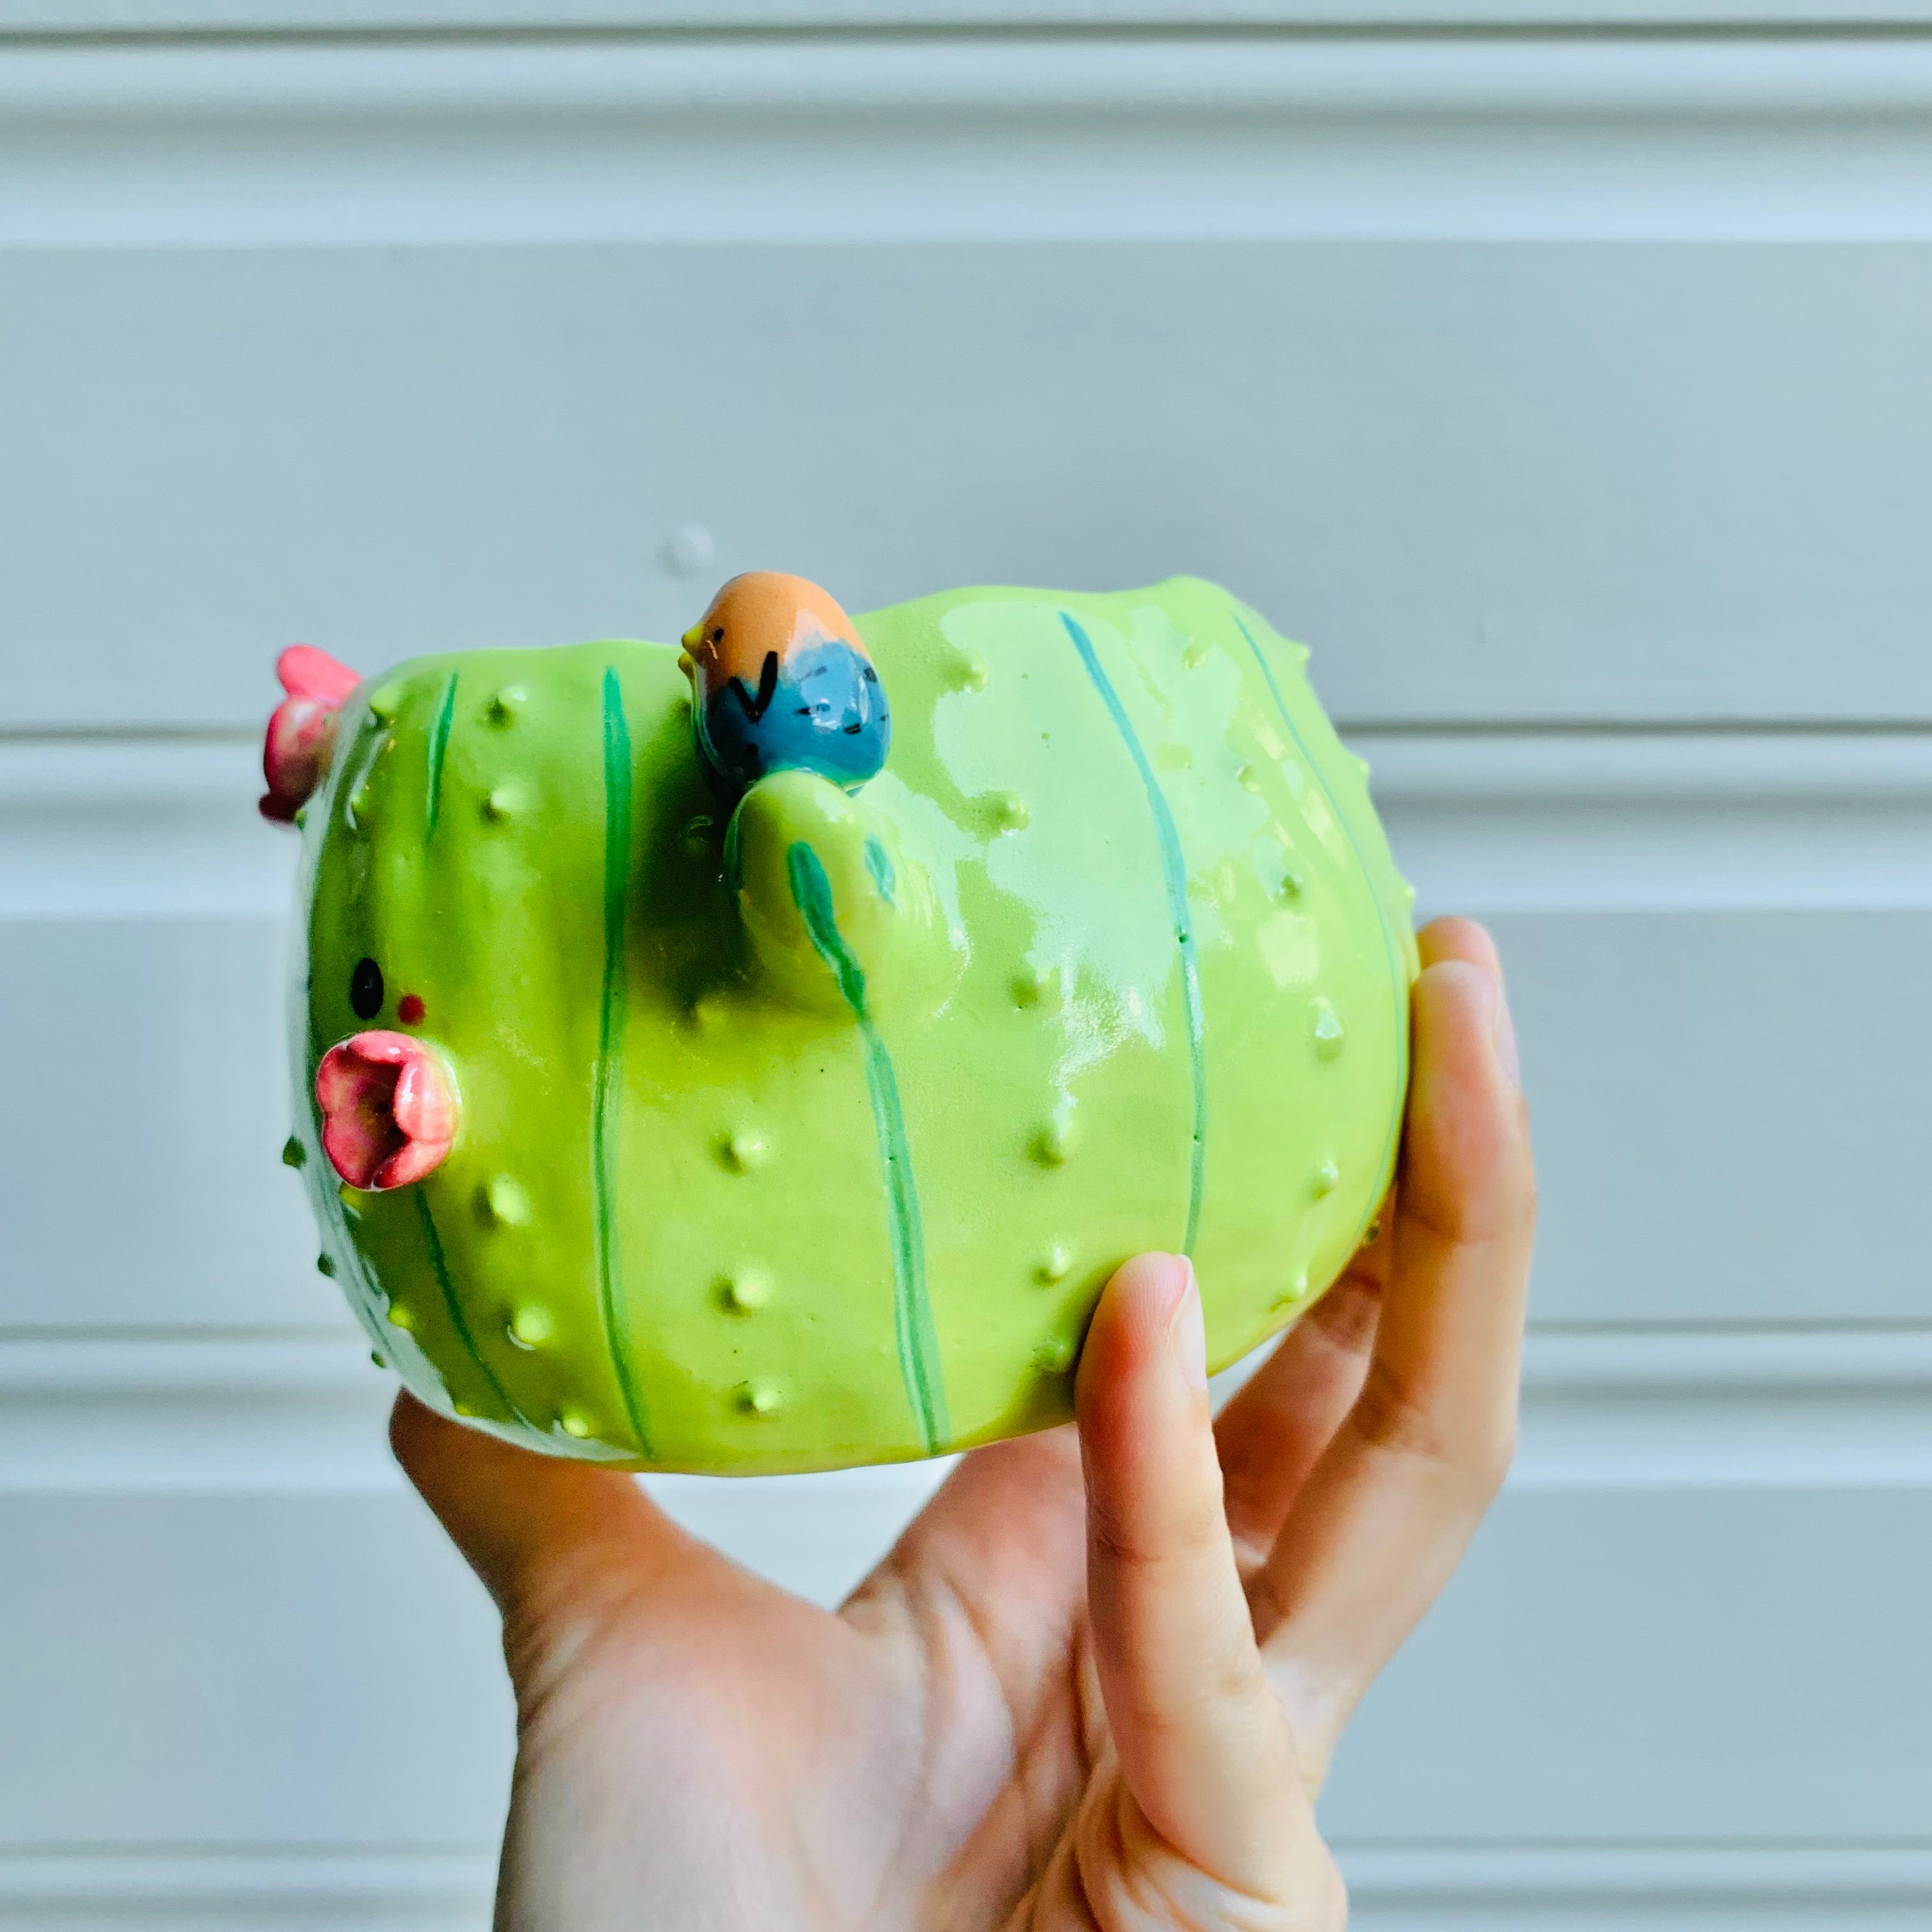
pixel 808 1137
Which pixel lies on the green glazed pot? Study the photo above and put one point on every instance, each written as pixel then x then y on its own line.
pixel 802 1129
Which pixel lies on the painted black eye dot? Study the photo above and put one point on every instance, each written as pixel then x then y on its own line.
pixel 365 989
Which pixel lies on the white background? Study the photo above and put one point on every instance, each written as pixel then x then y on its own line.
pixel 1562 373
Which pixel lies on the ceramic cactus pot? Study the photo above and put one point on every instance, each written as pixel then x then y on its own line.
pixel 703 1064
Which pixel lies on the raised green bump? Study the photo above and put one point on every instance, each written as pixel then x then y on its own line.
pixel 1399 980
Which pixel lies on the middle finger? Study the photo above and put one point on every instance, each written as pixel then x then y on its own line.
pixel 1273 1433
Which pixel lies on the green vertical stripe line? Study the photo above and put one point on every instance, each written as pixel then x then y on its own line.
pixel 1398 978
pixel 607 1087
pixel 440 1267
pixel 1173 871
pixel 919 1367
pixel 439 745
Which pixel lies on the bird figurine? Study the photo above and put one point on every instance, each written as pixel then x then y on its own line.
pixel 781 682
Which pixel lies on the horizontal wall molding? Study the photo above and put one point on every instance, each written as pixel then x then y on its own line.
pixel 98 827
pixel 215 1892
pixel 125 17
pixel 924 139
pixel 133 827
pixel 1796 1409
pixel 1840 1885
pixel 1781 1889
pixel 1620 770
pixel 1659 1873
pixel 1494 823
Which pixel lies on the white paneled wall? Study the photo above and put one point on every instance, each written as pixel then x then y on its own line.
pixel 1570 391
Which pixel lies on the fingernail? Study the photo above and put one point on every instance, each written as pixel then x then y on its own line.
pixel 1505 1034
pixel 1187 1335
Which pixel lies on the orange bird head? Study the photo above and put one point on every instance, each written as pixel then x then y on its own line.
pixel 781 681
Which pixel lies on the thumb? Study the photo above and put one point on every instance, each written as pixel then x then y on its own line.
pixel 529 1526
pixel 1203 1745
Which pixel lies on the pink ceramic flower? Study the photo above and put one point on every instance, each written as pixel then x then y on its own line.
pixel 389 1109
pixel 302 731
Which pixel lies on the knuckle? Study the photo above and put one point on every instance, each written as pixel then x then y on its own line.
pixel 1393 1417
pixel 1120 1537
pixel 1493 1456
pixel 1269 1603
pixel 1346 1317
pixel 1469 1214
pixel 1390 1415
pixel 1237 1680
pixel 1176 1532
pixel 1473 1186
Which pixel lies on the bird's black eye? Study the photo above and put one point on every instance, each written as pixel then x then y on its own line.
pixel 365 989
pixel 717 635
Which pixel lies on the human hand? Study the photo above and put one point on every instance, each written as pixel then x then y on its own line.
pixel 1107 1703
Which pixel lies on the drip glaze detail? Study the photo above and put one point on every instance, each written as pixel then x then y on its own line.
pixel 918 1345
pixel 439 1267
pixel 439 750
pixel 606 1109
pixel 1173 871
